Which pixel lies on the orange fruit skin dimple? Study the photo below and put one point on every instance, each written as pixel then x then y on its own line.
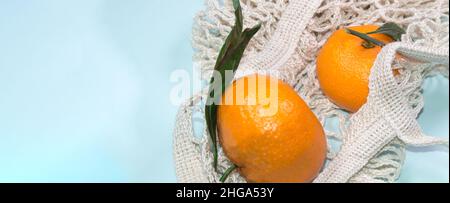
pixel 288 146
pixel 344 66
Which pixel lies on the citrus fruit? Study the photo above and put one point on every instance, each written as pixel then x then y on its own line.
pixel 287 145
pixel 344 66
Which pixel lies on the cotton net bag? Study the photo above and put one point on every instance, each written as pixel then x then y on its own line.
pixel 372 140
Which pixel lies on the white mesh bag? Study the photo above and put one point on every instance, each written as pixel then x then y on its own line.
pixel 293 31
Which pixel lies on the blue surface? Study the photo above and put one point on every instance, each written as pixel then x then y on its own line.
pixel 84 88
pixel 84 92
pixel 425 165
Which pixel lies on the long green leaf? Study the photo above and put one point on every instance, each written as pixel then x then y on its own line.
pixel 228 59
pixel 233 36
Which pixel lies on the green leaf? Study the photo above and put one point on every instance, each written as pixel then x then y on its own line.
pixel 233 36
pixel 236 4
pixel 368 39
pixel 229 58
pixel 392 30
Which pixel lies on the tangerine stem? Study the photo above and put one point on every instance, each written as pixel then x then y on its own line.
pixel 228 173
pixel 368 39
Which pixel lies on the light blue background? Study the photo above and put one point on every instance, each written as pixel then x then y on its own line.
pixel 84 92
